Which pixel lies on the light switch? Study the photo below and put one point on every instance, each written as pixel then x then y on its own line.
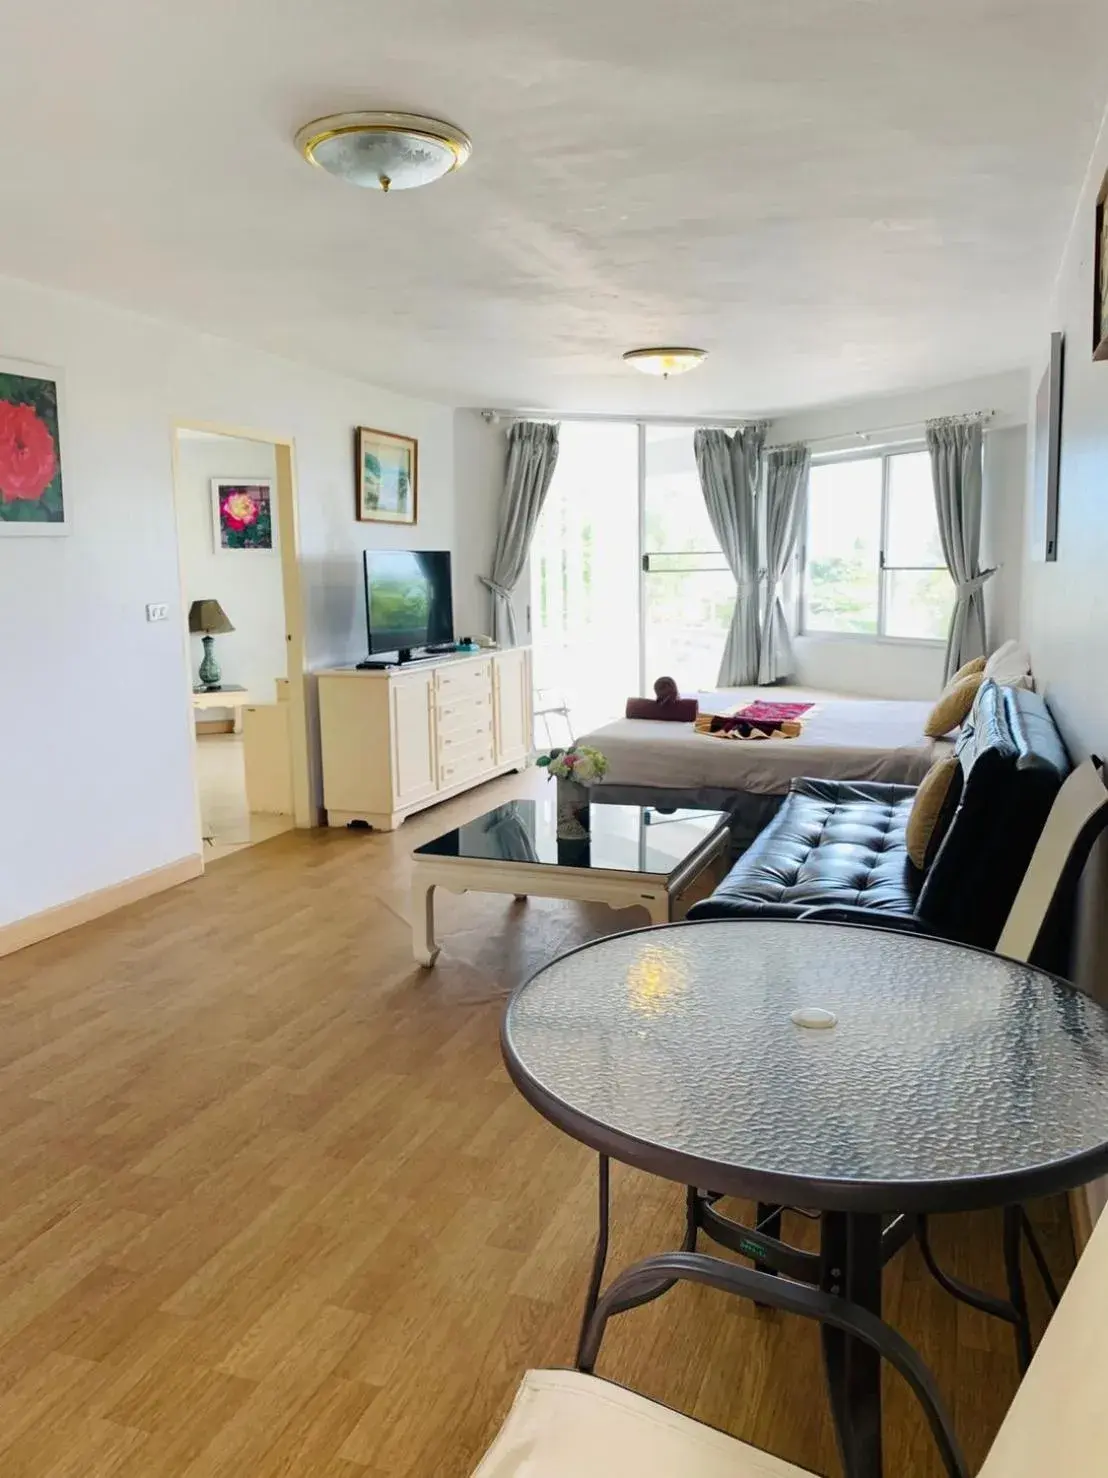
pixel 157 612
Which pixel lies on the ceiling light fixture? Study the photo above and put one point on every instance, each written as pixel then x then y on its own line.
pixel 665 362
pixel 384 151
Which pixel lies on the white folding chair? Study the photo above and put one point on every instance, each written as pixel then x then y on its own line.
pixel 553 703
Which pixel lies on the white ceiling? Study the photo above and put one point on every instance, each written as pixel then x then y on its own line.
pixel 835 197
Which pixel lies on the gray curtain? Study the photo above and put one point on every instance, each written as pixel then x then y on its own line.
pixel 786 496
pixel 532 457
pixel 729 468
pixel 956 471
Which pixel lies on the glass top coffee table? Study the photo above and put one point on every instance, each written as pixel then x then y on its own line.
pixel 629 855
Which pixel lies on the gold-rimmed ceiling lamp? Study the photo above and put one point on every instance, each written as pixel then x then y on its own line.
pixel 384 151
pixel 665 361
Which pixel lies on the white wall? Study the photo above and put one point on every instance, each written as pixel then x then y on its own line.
pixel 874 669
pixel 479 453
pixel 87 800
pixel 1065 606
pixel 247 583
pixel 895 669
pixel 1065 611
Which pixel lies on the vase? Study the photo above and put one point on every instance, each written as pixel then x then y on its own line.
pixel 573 811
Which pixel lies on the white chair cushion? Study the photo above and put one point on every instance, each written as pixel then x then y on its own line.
pixel 567 1425
pixel 1010 665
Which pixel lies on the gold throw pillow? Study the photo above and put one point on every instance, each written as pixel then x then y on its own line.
pixel 967 669
pixel 924 833
pixel 953 706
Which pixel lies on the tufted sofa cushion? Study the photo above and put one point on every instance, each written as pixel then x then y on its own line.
pixel 840 845
pixel 831 843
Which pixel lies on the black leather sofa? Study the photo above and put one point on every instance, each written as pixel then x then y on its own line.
pixel 836 849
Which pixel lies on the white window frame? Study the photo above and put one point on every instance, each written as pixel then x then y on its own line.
pixel 815 633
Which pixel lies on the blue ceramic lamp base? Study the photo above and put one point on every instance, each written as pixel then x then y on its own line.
pixel 210 674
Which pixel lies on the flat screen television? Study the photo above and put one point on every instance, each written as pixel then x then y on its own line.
pixel 408 599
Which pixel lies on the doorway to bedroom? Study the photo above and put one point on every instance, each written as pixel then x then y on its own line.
pixel 628 581
pixel 235 514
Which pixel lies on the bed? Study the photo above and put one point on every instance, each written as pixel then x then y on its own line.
pixel 668 764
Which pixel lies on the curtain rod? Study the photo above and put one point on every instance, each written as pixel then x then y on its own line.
pixel 916 425
pixel 492 416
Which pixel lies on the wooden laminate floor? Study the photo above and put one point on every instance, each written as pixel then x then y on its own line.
pixel 270 1207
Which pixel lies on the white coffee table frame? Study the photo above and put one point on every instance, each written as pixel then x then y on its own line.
pixel 618 889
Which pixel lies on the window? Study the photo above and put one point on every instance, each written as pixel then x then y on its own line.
pixel 872 561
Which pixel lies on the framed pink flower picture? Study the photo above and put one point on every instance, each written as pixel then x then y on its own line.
pixel 242 513
pixel 32 497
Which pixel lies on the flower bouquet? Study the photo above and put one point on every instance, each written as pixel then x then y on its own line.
pixel 574 769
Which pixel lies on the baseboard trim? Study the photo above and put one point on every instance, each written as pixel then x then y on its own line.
pixel 91 906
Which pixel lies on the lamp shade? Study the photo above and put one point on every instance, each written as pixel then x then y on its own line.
pixel 208 616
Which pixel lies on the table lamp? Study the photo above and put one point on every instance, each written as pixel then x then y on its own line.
pixel 209 617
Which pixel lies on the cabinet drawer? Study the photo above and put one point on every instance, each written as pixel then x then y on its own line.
pixel 466 767
pixel 475 739
pixel 469 679
pixel 458 713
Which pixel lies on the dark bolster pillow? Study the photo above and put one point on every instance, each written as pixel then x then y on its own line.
pixel 676 710
pixel 665 704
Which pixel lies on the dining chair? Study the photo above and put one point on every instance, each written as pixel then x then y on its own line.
pixel 571 1424
pixel 1042 914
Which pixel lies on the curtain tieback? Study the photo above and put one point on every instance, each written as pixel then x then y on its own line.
pixel 967 589
pixel 500 591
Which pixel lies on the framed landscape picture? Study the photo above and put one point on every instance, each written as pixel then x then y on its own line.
pixel 387 476
pixel 242 513
pixel 1100 276
pixel 32 498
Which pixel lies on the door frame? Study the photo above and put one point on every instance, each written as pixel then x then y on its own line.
pixel 305 812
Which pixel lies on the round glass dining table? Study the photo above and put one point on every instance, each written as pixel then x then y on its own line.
pixel 869 1075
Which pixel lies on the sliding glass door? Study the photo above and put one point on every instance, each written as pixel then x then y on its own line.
pixel 627 578
pixel 585 577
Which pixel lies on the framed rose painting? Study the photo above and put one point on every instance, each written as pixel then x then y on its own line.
pixel 388 476
pixel 32 498
pixel 242 513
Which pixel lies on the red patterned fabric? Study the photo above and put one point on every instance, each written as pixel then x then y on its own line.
pixel 761 712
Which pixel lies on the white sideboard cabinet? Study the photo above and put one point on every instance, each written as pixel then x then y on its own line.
pixel 399 739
